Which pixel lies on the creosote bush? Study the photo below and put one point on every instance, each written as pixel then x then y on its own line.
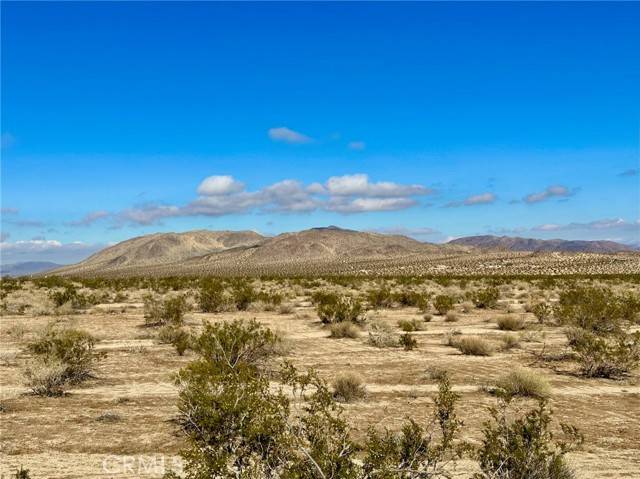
pixel 542 311
pixel 408 342
pixel 381 335
pixel 524 447
pixel 211 298
pixel 486 298
pixel 159 312
pixel 443 303
pixel 61 357
pixel 332 308
pixel 410 325
pixel 610 356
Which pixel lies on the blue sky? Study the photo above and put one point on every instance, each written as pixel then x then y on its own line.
pixel 434 120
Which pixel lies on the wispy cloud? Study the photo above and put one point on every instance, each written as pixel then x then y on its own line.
pixel 554 191
pixel 89 218
pixel 597 225
pixel 629 172
pixel 287 135
pixel 9 211
pixel 481 199
pixel 357 145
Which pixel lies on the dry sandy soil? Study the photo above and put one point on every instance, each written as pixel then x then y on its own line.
pixel 64 437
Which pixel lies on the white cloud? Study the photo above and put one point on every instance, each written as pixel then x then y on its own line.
pixel 223 195
pixel 606 224
pixel 357 145
pixel 555 191
pixel 287 135
pixel 359 185
pixel 219 185
pixel 46 250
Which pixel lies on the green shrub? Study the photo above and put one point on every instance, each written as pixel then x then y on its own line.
pixel 595 309
pixel 410 325
pixel 348 388
pixel 606 357
pixel 380 298
pixel 542 311
pixel 509 341
pixel 524 382
pixel 242 295
pixel 211 298
pixel 473 346
pixel 443 303
pixel 417 452
pixel 335 309
pixel 170 311
pixel 510 323
pixel 72 348
pixel 344 330
pixel 524 447
pixel 451 317
pixel 486 298
pixel 175 336
pixel 408 342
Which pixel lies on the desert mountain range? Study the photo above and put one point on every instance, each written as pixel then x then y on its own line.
pixel 329 250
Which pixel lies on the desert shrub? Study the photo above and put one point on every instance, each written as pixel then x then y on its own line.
pixel 71 296
pixel 242 295
pixel 473 346
pixel 72 348
pixel 286 309
pixel 344 330
pixel 416 452
pixel 380 298
pixel 542 311
pixel 467 307
pixel 381 335
pixel 269 299
pixel 170 311
pixel 606 356
pixel 486 298
pixel 335 309
pixel 443 303
pixel 46 378
pixel 410 325
pixel 510 323
pixel 595 309
pixel 408 342
pixel 509 341
pixel 524 447
pixel 239 425
pixel 427 317
pixel 451 317
pixel 22 474
pixel 348 388
pixel 437 372
pixel 176 336
pixel 211 298
pixel 408 297
pixel 524 382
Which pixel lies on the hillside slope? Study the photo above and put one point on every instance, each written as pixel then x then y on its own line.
pixel 508 243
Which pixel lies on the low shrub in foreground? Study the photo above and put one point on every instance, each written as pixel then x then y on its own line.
pixel 335 309
pixel 525 447
pixel 158 312
pixel 410 325
pixel 381 335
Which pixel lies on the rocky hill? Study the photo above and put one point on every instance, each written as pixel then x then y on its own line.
pixel 509 243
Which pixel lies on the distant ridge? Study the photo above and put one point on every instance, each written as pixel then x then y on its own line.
pixel 333 250
pixel 509 243
pixel 26 268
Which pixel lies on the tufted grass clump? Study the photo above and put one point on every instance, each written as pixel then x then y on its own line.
pixel 344 330
pixel 410 325
pixel 473 346
pixel 510 323
pixel 525 383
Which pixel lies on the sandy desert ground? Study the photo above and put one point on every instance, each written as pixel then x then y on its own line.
pixel 122 422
